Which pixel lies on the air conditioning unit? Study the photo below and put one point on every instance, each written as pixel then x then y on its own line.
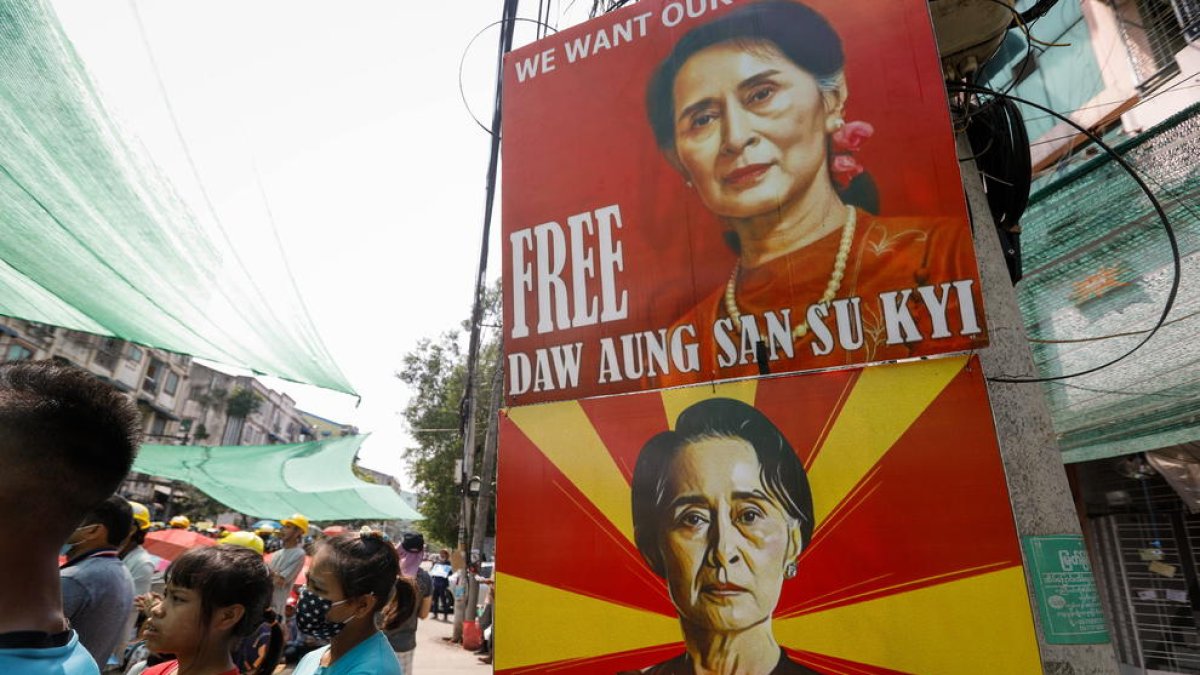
pixel 969 32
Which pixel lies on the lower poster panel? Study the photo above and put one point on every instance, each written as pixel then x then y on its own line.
pixel 847 522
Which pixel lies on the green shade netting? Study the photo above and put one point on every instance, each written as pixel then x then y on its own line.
pixel 276 481
pixel 94 238
pixel 1098 265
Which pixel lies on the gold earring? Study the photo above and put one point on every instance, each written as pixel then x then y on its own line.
pixel 834 124
pixel 789 572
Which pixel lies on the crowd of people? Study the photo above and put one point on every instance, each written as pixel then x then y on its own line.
pixel 84 596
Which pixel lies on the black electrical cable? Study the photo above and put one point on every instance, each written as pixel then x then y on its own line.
pixel 972 89
pixel 1039 9
pixel 506 25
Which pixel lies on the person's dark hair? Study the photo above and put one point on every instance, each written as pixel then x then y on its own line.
pixel 402 605
pixel 66 437
pixel 799 32
pixel 364 564
pixel 139 536
pixel 116 517
pixel 225 575
pixel 781 471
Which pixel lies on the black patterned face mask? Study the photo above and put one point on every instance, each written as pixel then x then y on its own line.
pixel 310 616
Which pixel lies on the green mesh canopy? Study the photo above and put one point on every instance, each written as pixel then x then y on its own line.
pixel 94 238
pixel 1098 265
pixel 275 481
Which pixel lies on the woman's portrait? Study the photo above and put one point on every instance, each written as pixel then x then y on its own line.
pixel 721 511
pixel 751 110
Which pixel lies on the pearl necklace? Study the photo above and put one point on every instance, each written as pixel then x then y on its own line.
pixel 831 289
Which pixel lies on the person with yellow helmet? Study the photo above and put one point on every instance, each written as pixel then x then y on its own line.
pixel 286 563
pixel 138 561
pixel 245 540
pixel 180 522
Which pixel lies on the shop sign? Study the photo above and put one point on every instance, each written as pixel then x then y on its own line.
pixel 1065 590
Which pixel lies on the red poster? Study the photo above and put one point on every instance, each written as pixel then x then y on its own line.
pixel 711 189
pixel 853 521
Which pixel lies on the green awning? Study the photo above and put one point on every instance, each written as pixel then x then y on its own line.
pixel 275 481
pixel 1098 270
pixel 94 238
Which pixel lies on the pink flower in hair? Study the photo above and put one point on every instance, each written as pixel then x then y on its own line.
pixel 851 137
pixel 844 168
pixel 844 144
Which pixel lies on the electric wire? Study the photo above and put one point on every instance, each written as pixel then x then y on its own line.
pixel 462 91
pixel 975 90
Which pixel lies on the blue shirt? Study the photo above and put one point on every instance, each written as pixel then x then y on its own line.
pixel 373 656
pixel 69 659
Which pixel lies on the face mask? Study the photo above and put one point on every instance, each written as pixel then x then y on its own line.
pixel 310 616
pixel 66 548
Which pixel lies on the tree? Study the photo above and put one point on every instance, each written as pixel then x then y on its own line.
pixel 436 372
pixel 241 404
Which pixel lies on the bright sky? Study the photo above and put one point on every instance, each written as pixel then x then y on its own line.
pixel 351 114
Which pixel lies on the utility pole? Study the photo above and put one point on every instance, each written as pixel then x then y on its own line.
pixel 507 21
pixel 1037 483
pixel 484 501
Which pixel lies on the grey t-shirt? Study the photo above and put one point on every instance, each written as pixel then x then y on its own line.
pixel 404 638
pixel 287 563
pixel 97 598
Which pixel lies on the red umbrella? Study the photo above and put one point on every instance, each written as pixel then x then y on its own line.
pixel 333 530
pixel 169 544
pixel 303 576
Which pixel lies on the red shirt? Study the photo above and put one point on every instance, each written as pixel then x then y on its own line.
pixel 172 667
pixel 887 254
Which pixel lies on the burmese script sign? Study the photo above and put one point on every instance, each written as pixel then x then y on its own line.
pixel 701 190
pixel 1065 589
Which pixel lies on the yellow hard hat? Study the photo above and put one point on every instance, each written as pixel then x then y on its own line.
pixel 181 522
pixel 297 520
pixel 245 540
pixel 141 515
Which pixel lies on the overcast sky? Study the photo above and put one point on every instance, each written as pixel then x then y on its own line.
pixel 350 113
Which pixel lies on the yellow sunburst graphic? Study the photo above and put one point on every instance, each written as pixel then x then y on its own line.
pixel 955 624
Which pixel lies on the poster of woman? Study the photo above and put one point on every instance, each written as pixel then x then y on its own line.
pixel 715 189
pixel 780 525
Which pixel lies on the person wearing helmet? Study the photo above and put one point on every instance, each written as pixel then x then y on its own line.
pixel 181 522
pixel 286 563
pixel 140 563
pixel 259 652
pixel 245 540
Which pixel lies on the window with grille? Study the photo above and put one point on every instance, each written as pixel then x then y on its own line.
pixel 107 352
pixel 1188 12
pixel 1153 33
pixel 154 375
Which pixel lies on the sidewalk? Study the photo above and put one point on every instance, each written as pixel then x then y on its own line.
pixel 437 657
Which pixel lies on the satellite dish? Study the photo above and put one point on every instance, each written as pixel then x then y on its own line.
pixel 969 32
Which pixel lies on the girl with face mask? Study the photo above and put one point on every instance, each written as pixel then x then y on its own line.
pixel 350 582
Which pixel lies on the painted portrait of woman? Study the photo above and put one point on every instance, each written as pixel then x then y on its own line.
pixel 721 510
pixel 750 110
